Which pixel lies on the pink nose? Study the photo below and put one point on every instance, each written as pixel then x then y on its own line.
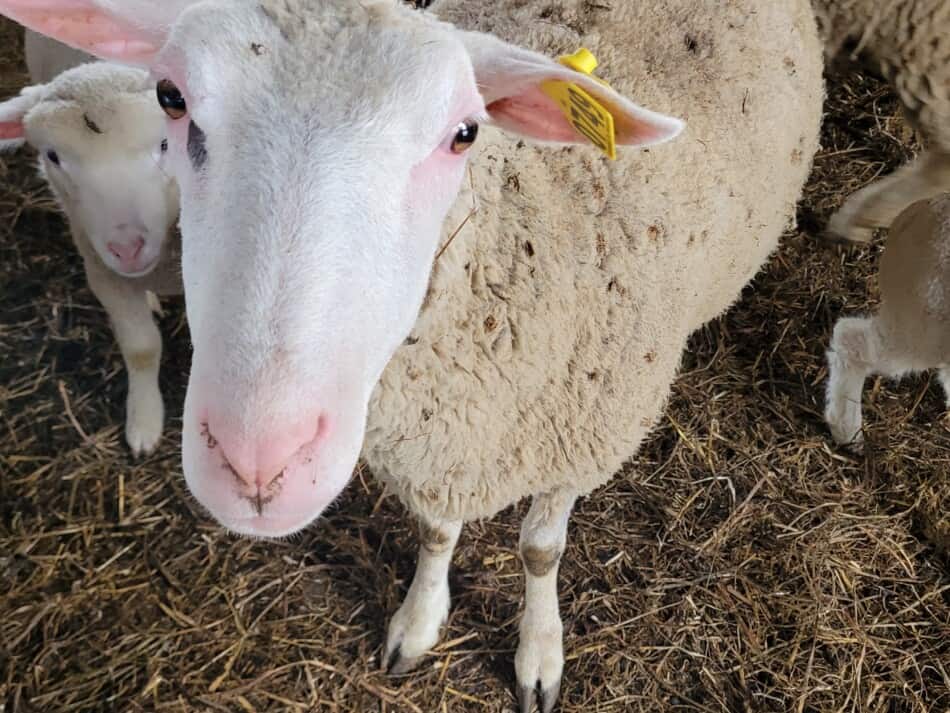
pixel 127 253
pixel 258 461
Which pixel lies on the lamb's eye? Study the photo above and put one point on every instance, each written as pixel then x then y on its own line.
pixel 164 145
pixel 170 99
pixel 53 157
pixel 465 134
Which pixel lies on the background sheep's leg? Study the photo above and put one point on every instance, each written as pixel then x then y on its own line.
pixel 415 627
pixel 878 204
pixel 141 345
pixel 539 660
pixel 944 376
pixel 854 354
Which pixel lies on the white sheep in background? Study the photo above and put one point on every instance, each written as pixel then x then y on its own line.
pixel 101 143
pixel 910 330
pixel 344 293
pixel 908 42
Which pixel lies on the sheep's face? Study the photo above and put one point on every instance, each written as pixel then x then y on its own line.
pixel 319 147
pixel 102 148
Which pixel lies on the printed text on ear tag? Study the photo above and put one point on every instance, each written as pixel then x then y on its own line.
pixel 588 117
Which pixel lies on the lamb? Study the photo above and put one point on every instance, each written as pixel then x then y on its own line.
pixel 101 143
pixel 377 256
pixel 911 329
pixel 908 41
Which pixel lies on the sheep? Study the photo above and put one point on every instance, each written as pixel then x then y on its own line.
pixel 101 142
pixel 910 330
pixel 908 41
pixel 378 257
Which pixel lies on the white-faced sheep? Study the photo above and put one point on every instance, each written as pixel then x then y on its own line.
pixel 101 142
pixel 485 330
pixel 910 330
pixel 908 42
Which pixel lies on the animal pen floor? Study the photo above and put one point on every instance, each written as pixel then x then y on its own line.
pixel 740 563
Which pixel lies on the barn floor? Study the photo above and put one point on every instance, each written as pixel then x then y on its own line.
pixel 739 564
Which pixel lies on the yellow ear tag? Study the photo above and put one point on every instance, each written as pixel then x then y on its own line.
pixel 588 117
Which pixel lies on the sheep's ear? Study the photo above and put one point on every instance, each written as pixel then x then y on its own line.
pixel 130 31
pixel 510 80
pixel 12 113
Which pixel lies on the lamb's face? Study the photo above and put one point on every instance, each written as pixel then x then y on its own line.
pixel 315 183
pixel 103 153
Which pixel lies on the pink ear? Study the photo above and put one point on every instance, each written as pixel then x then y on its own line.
pixel 11 131
pixel 510 80
pixel 119 30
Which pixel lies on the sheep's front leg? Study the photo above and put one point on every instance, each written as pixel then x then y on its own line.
pixel 415 627
pixel 141 345
pixel 878 204
pixel 539 660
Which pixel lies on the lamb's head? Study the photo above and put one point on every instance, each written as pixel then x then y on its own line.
pixel 101 143
pixel 319 147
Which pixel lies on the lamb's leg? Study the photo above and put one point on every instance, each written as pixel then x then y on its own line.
pixel 539 660
pixel 944 376
pixel 141 345
pixel 415 627
pixel 854 354
pixel 878 204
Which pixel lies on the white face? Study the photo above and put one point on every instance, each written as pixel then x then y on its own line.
pixel 316 204
pixel 126 205
pixel 319 147
pixel 106 162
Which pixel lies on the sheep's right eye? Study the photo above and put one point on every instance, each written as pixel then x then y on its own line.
pixel 53 157
pixel 170 99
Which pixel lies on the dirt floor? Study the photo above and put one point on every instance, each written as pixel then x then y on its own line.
pixel 739 564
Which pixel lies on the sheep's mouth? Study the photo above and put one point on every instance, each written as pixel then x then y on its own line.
pixel 151 265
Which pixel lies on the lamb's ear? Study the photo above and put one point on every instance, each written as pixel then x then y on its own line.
pixel 130 31
pixel 510 80
pixel 12 113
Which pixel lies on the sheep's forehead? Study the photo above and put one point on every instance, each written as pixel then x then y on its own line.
pixel 329 59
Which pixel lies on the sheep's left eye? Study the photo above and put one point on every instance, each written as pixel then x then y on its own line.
pixel 53 157
pixel 465 134
pixel 170 99
pixel 164 145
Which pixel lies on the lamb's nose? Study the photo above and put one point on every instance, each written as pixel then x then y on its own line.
pixel 127 252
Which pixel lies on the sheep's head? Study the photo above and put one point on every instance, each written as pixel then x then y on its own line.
pixel 102 142
pixel 319 147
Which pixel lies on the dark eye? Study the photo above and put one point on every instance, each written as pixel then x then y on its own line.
pixel 164 145
pixel 465 134
pixel 170 99
pixel 53 157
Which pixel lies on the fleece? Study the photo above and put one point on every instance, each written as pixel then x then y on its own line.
pixel 908 42
pixel 567 285
pixel 914 316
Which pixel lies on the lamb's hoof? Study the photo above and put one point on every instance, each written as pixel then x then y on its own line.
pixel 143 422
pixel 398 665
pixel 526 697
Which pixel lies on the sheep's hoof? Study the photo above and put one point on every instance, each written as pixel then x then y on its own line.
pixel 397 665
pixel 526 697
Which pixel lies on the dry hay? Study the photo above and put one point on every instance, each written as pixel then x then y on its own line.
pixel 740 564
